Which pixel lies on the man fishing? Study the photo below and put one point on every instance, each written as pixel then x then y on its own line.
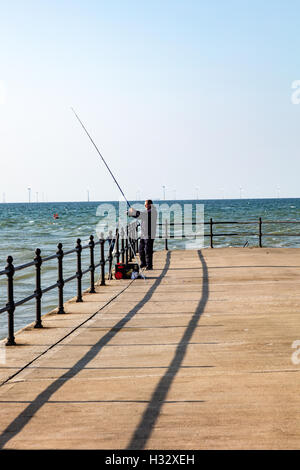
pixel 148 220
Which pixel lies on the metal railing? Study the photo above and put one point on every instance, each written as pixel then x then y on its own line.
pixel 211 224
pixel 124 252
pixel 121 246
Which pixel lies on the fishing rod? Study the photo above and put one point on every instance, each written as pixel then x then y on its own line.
pixel 98 151
pixel 102 159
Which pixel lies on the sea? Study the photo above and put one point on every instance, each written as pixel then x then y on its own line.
pixel 24 227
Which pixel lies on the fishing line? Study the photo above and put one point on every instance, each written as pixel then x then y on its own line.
pixel 102 159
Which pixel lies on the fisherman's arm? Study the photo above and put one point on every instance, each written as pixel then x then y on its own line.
pixel 133 213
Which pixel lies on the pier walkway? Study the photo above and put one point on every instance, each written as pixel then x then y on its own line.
pixel 198 356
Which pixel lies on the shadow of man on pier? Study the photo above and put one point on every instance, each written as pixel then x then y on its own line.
pixel 149 418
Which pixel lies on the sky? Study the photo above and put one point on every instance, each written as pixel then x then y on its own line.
pixel 184 99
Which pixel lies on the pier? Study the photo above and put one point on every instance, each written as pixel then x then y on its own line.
pixel 199 355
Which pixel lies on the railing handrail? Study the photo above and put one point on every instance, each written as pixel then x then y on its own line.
pixel 213 223
pixel 50 257
pixel 218 222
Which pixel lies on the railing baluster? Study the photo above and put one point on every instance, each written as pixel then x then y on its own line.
pixel 166 234
pixel 92 264
pixel 79 271
pixel 126 246
pixel 260 232
pixel 60 281
pixel 122 246
pixel 211 233
pixel 10 301
pixel 102 260
pixel 130 243
pixel 110 256
pixel 117 246
pixel 137 238
pixel 38 290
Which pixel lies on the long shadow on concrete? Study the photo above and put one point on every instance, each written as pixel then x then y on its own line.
pixel 16 426
pixel 146 425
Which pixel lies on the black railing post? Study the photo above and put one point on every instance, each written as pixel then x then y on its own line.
pixel 79 271
pixel 10 301
pixel 38 290
pixel 166 234
pixel 211 233
pixel 117 246
pixel 110 255
pixel 130 243
pixel 260 232
pixel 60 281
pixel 92 264
pixel 102 260
pixel 126 246
pixel 122 246
pixel 137 238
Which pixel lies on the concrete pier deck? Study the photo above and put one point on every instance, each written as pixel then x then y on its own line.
pixel 198 356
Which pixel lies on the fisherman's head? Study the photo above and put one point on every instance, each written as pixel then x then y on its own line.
pixel 148 204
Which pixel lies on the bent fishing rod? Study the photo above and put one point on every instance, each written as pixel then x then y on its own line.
pixel 102 159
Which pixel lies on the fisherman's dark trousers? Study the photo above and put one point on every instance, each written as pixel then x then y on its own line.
pixel 146 252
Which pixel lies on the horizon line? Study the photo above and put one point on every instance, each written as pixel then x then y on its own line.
pixel 155 200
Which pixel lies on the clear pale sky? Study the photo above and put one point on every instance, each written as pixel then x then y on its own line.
pixel 183 94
